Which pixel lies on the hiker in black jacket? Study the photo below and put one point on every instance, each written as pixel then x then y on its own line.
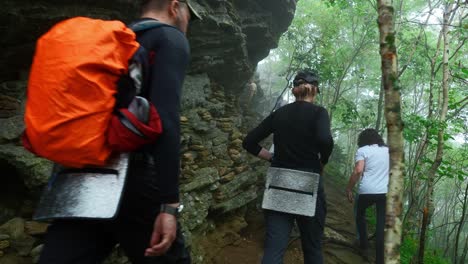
pixel 302 141
pixel 146 226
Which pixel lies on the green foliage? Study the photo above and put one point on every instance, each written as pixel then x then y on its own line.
pixel 371 217
pixel 455 164
pixel 434 257
pixel 340 39
pixel 414 128
pixel 409 248
pixel 460 72
pixel 334 168
pixel 337 3
pixel 446 169
pixel 348 112
pixel 417 126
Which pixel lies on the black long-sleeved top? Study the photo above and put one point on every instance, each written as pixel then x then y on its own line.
pixel 301 135
pixel 170 53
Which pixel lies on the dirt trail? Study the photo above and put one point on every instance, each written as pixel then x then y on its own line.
pixel 337 243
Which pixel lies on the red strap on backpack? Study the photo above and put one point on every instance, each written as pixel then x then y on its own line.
pixel 127 133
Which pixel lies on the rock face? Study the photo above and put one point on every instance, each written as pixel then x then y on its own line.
pixel 233 36
pixel 218 178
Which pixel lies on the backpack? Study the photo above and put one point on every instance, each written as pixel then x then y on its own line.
pixel 85 74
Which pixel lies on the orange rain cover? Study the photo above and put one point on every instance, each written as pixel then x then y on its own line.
pixel 71 89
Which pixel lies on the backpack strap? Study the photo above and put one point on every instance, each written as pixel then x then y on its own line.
pixel 145 25
pixel 140 60
pixel 142 55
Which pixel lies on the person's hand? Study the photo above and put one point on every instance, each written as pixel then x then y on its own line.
pixel 164 233
pixel 350 195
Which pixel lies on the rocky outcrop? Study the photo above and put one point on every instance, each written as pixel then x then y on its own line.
pixel 218 178
pixel 233 36
pixel 236 35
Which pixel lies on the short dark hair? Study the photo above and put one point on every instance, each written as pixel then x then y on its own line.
pixel 370 136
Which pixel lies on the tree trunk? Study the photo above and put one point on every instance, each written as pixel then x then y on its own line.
pixel 443 244
pixel 429 203
pixel 422 234
pixel 460 227
pixel 394 127
pixel 411 220
pixel 447 242
pixel 465 250
pixel 378 123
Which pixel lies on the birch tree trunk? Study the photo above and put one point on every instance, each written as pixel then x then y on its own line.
pixel 393 223
pixel 429 203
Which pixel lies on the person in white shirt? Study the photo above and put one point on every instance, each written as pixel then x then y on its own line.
pixel 372 168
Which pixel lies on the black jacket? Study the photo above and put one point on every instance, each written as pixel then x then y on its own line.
pixel 301 136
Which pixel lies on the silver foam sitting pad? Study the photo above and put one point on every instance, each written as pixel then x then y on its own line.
pixel 291 191
pixel 84 193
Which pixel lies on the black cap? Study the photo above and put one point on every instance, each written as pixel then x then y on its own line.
pixel 309 76
pixel 193 12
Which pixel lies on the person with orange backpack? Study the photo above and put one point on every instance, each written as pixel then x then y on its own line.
pixel 146 224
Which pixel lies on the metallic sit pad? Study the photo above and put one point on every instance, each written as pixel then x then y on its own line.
pixel 84 193
pixel 291 191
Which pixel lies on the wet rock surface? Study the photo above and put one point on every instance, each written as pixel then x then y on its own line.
pixel 227 44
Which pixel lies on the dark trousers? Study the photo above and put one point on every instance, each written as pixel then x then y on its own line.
pixel 365 201
pixel 356 200
pixel 90 241
pixel 278 229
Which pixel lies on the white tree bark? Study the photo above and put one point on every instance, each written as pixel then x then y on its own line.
pixel 393 222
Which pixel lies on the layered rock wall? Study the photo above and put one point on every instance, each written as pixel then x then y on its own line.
pixel 218 178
